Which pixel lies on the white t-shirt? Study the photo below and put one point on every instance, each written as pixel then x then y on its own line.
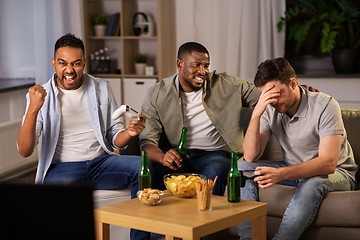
pixel 201 133
pixel 77 141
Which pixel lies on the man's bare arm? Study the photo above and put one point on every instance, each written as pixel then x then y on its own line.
pixel 27 135
pixel 255 141
pixel 134 128
pixel 324 164
pixel 170 159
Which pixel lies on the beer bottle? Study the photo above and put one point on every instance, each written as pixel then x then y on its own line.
pixel 182 148
pixel 144 175
pixel 233 180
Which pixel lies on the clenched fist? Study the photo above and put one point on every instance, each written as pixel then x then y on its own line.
pixel 37 97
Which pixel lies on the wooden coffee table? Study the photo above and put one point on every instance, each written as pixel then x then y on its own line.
pixel 179 217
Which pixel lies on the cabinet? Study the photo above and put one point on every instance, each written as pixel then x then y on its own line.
pixel 136 90
pixel 160 47
pixel 116 86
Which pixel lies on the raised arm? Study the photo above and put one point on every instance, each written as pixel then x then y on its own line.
pixel 255 140
pixel 27 135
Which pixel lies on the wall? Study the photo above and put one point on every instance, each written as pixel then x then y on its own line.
pixel 16 39
pixel 344 90
pixel 12 105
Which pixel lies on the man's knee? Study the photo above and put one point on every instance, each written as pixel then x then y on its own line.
pixel 314 187
pixel 244 165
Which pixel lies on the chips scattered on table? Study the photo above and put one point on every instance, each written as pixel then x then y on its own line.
pixel 150 196
pixel 181 185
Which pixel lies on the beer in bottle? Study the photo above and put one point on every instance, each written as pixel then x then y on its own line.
pixel 233 180
pixel 144 175
pixel 182 148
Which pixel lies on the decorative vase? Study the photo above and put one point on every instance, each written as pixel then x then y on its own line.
pixel 140 68
pixel 345 60
pixel 100 30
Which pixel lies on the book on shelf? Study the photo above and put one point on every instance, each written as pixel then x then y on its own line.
pixel 116 25
pixel 117 32
pixel 112 21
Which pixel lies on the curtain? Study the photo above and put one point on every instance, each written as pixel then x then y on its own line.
pixel 239 34
pixel 52 19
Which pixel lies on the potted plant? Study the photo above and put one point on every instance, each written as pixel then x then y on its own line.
pixel 337 21
pixel 140 63
pixel 99 21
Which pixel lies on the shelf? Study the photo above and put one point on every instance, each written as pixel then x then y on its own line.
pixel 105 38
pixel 121 37
pixel 160 48
pixel 140 76
pixel 107 75
pixel 139 38
pixel 123 76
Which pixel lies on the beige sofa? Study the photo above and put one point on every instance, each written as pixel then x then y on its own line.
pixel 339 213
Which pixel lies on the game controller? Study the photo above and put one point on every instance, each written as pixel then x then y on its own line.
pixel 125 110
pixel 247 174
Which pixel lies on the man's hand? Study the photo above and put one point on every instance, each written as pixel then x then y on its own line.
pixel 37 95
pixel 268 176
pixel 136 127
pixel 172 159
pixel 268 96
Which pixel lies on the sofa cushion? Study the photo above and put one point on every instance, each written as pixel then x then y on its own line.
pixel 107 197
pixel 351 118
pixel 346 212
pixel 313 232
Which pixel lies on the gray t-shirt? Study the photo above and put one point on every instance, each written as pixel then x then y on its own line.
pixel 319 115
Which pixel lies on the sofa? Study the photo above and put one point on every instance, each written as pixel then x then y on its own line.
pixel 339 213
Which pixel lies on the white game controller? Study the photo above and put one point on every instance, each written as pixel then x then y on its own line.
pixel 125 110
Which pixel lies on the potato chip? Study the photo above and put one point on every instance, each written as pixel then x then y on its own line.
pixel 181 185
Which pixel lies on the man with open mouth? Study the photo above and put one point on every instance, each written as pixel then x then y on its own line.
pixel 72 114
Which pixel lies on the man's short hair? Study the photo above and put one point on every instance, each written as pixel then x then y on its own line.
pixel 274 69
pixel 69 40
pixel 189 47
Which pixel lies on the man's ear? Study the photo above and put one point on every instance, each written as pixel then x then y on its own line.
pixel 293 83
pixel 53 63
pixel 179 64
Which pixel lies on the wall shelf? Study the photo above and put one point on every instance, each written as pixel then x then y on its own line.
pixel 160 48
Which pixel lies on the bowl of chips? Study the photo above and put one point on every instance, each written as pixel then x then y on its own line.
pixel 182 184
pixel 150 196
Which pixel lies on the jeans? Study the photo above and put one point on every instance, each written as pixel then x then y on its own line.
pixel 105 172
pixel 305 203
pixel 208 163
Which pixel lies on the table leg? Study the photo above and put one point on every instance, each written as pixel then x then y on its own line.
pixel 102 231
pixel 258 228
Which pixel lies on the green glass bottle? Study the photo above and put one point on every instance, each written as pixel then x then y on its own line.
pixel 233 180
pixel 181 148
pixel 144 175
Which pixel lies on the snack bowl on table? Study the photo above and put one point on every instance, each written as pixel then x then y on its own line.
pixel 182 184
pixel 150 196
